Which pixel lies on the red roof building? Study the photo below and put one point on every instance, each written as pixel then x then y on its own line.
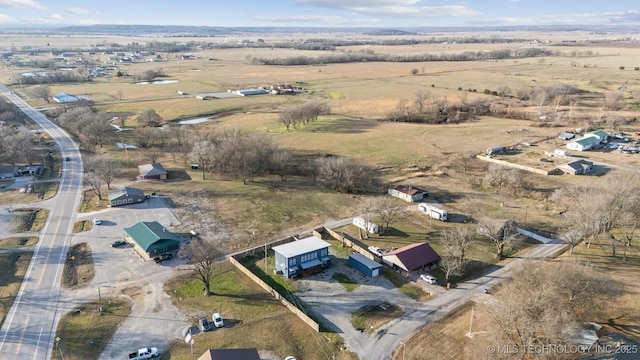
pixel 412 257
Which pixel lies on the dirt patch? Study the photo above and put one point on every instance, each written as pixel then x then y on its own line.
pixel 134 293
pixel 370 318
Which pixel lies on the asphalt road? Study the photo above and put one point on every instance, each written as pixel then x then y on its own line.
pixel 29 328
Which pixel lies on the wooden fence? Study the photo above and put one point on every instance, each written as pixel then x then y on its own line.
pixel 239 255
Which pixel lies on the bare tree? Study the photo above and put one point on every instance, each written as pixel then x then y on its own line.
pixel 149 117
pixel 152 153
pixel 390 211
pixel 346 176
pixel 203 153
pixel 540 96
pixel 456 241
pixel 543 305
pixel 612 101
pixel 203 256
pixel 95 182
pixel 600 210
pixel 496 176
pixel 43 92
pixel 500 232
pixel 279 161
pixel 104 167
pixel 145 137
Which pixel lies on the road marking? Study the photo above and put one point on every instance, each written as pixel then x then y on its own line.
pixel 37 344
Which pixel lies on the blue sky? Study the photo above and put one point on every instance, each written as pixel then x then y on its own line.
pixel 319 13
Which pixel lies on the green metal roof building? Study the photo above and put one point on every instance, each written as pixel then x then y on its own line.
pixel 153 238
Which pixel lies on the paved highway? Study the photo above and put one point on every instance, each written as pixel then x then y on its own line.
pixel 28 331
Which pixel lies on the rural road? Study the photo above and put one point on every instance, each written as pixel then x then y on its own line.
pixel 29 329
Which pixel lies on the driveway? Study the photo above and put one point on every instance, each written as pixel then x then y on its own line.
pixel 334 305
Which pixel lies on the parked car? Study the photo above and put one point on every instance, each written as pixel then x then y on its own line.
pixel 119 243
pixel 428 278
pixel 376 250
pixel 97 221
pixel 204 324
pixel 163 257
pixel 217 320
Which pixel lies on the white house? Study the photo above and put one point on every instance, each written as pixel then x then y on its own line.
pixel 408 193
pixel 583 144
pixel 65 98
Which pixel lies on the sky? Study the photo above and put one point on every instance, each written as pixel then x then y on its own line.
pixel 319 13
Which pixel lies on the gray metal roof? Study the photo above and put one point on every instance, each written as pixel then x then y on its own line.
pixel 301 246
pixel 125 191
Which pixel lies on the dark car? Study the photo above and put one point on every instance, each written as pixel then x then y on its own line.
pixel 204 324
pixel 163 257
pixel 119 243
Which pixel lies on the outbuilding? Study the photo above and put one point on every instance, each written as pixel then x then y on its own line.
pixel 412 257
pixel 126 195
pixel 152 171
pixel 303 257
pixel 365 265
pixel 151 239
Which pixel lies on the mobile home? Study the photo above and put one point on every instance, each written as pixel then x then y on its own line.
pixel 433 211
pixel 365 225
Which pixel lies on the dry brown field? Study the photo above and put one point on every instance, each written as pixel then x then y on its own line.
pixel 360 95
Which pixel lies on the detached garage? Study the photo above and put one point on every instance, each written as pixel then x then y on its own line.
pixel 365 265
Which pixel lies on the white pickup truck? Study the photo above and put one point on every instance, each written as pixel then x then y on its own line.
pixel 144 353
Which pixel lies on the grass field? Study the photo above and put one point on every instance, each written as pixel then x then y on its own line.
pixel 253 318
pixel 14 267
pixel 97 327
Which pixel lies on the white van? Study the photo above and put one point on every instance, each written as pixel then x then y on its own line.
pixel 365 225
pixel 433 211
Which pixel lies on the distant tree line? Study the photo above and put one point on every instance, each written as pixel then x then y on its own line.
pixel 367 56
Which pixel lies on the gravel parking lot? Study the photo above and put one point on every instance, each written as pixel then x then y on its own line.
pixel 154 321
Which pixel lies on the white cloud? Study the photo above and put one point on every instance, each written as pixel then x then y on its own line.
pixel 632 16
pixel 77 10
pixel 52 17
pixel 303 18
pixel 4 18
pixel 417 12
pixel 22 3
pixel 350 4
pixel 391 8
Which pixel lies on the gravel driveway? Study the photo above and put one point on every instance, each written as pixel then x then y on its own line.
pixel 333 305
